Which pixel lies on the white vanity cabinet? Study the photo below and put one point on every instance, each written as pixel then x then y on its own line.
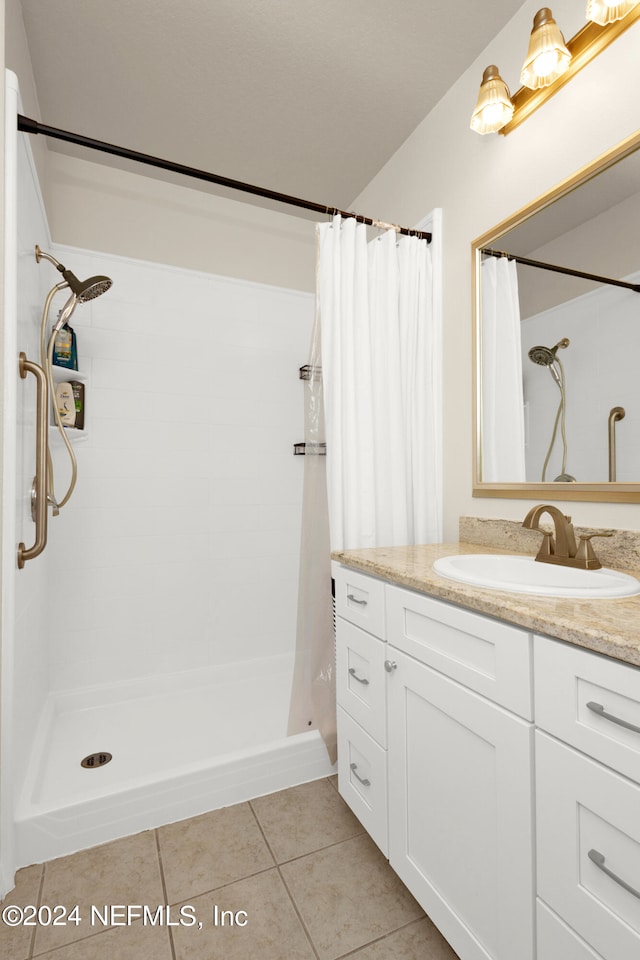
pixel 362 700
pixel 588 804
pixel 455 755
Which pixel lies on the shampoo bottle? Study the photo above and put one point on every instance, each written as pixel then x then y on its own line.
pixel 65 350
pixel 78 398
pixel 65 404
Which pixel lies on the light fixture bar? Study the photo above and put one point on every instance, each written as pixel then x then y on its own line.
pixel 583 47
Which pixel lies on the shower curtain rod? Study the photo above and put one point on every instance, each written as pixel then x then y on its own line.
pixel 556 269
pixel 27 125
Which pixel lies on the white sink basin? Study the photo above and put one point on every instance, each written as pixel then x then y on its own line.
pixel 525 575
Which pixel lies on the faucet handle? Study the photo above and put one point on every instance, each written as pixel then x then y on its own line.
pixel 547 547
pixel 585 552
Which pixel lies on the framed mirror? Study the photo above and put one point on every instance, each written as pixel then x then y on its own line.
pixel 556 336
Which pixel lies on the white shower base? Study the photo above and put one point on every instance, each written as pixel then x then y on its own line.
pixel 182 744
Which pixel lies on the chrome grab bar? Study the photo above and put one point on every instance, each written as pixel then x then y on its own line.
pixel 39 494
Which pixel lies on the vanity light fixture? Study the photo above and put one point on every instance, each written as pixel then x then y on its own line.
pixel 550 64
pixel 547 56
pixel 494 107
pixel 606 11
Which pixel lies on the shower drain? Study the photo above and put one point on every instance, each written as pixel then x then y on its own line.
pixel 95 760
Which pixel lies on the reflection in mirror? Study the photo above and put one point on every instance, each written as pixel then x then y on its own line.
pixel 558 340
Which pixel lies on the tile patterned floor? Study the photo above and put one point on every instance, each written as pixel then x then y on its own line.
pixel 289 876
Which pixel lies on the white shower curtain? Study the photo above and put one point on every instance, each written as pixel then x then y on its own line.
pixel 381 370
pixel 377 344
pixel 503 459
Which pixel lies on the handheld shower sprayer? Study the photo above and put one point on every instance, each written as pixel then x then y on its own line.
pixel 81 292
pixel 546 357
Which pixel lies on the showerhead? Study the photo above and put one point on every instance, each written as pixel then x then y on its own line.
pixel 83 290
pixel 545 356
pixel 89 289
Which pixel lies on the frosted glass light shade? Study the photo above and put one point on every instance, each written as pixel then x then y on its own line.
pixel 608 11
pixel 494 108
pixel 547 57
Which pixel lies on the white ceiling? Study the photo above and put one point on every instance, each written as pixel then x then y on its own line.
pixel 306 97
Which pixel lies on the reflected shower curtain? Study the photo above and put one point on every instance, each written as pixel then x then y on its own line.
pixel 378 344
pixel 503 458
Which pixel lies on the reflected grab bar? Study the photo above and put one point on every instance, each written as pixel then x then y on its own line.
pixel 39 489
pixel 615 414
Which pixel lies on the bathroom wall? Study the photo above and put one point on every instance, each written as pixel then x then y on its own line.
pixel 180 546
pixel 25 649
pixel 601 371
pixel 478 181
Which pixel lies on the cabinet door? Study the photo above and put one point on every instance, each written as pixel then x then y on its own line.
pixel 460 811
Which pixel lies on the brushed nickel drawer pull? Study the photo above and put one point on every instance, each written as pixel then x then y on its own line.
pixel 365 783
pixel 352 671
pixel 353 599
pixel 598 859
pixel 599 709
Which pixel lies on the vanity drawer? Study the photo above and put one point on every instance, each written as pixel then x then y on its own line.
pixel 360 678
pixel 360 599
pixel 586 812
pixel 492 658
pixel 568 680
pixel 362 777
pixel 557 941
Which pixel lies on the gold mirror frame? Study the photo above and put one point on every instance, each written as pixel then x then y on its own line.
pixel 614 492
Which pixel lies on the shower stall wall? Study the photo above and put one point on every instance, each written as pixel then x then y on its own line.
pixel 159 624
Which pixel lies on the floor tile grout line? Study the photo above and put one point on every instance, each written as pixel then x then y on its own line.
pixel 32 943
pixel 284 883
pixel 380 939
pixel 326 846
pixel 70 943
pixel 298 914
pixel 95 933
pixel 229 883
pixel 263 834
pixel 164 889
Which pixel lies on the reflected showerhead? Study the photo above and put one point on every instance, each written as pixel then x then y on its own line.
pixel 546 355
pixel 83 290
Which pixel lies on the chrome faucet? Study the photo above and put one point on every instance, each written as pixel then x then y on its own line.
pixel 563 548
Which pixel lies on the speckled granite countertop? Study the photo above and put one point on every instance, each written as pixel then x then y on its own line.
pixel 611 627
